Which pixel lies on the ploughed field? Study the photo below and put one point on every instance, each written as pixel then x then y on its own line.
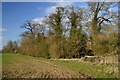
pixel 23 66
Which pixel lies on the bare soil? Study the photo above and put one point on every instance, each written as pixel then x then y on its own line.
pixel 39 69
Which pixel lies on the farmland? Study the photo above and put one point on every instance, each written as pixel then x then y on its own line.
pixel 23 66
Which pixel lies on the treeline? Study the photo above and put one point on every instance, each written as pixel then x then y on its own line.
pixel 69 33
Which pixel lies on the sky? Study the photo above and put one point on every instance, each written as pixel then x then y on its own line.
pixel 14 14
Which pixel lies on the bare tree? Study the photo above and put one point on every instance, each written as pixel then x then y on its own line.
pixel 102 12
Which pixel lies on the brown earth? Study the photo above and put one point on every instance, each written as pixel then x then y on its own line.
pixel 39 69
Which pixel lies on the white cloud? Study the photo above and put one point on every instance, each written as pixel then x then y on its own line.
pixel 1 37
pixel 61 3
pixel 2 29
pixel 51 9
pixel 38 20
